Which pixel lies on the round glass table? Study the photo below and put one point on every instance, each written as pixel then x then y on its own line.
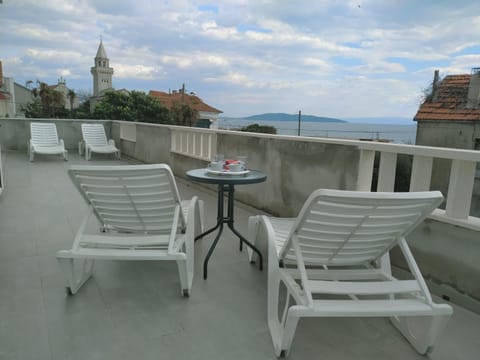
pixel 226 184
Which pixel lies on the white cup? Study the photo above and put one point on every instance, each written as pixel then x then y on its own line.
pixel 236 167
pixel 216 165
pixel 242 160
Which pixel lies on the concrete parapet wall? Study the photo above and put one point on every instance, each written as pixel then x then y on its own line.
pixel 15 132
pixel 446 254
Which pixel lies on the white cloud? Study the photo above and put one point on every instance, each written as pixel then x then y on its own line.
pixel 125 71
pixel 261 55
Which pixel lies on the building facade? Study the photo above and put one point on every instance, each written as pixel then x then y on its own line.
pixel 13 96
pixel 70 99
pixel 450 117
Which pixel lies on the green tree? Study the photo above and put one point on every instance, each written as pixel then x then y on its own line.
pixel 71 98
pixel 47 103
pixel 83 111
pixel 133 106
pixel 183 114
pixel 265 129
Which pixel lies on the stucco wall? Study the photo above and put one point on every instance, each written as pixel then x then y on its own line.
pixel 15 133
pixel 450 134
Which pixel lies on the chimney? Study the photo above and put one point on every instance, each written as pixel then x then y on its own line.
pixel 436 78
pixel 473 97
pixel 1 74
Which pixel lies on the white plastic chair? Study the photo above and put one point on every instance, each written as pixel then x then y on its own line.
pixel 95 140
pixel 141 218
pixel 44 140
pixel 333 261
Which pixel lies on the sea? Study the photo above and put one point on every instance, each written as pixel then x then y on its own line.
pixel 395 133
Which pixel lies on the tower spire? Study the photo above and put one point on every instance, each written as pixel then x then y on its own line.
pixel 101 71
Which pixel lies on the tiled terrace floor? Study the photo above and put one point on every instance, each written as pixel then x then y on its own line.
pixel 133 310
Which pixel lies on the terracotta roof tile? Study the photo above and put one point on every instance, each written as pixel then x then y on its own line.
pixel 168 100
pixel 450 101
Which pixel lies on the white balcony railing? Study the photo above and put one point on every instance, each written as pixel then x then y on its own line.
pixel 201 144
pixel 193 142
pixel 460 185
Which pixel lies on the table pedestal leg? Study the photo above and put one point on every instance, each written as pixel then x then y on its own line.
pixel 230 223
pixel 229 220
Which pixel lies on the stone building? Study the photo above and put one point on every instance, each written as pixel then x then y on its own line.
pixel 71 101
pixel 102 75
pixel 450 117
pixel 13 96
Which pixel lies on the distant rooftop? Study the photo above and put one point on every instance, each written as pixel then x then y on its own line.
pixel 169 99
pixel 449 101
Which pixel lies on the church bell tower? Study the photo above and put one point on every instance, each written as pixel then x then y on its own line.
pixel 102 72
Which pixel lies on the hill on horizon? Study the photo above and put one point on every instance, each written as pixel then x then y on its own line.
pixel 292 117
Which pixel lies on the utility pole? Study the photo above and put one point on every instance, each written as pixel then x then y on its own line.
pixel 299 120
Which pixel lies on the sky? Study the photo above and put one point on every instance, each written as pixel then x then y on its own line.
pixel 343 59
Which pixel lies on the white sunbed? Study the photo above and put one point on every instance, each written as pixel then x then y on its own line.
pixel 95 140
pixel 44 140
pixel 141 217
pixel 333 260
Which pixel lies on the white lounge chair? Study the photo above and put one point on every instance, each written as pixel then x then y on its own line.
pixel 141 218
pixel 95 140
pixel 333 260
pixel 44 140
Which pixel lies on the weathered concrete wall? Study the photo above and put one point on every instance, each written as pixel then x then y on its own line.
pixel 15 133
pixel 294 169
pixel 449 134
pixel 446 254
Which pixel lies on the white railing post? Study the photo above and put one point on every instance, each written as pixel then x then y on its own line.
pixel 386 173
pixel 365 170
pixel 421 173
pixel 460 188
pixel 200 144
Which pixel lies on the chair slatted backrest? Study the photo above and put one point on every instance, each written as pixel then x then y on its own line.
pixel 131 198
pixel 94 134
pixel 44 134
pixel 338 227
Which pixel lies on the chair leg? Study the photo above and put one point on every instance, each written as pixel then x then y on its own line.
pixel 423 333
pixel 186 277
pixel 253 222
pixel 282 331
pixel 200 226
pixel 65 155
pixel 76 279
pixel 32 154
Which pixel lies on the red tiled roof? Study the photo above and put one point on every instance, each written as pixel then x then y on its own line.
pixel 449 102
pixel 168 100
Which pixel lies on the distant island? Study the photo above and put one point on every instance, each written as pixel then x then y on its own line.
pixel 292 117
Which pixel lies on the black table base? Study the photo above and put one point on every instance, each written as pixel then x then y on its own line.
pixel 229 220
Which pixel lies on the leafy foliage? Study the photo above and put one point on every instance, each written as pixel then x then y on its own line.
pixel 265 129
pixel 183 115
pixel 133 106
pixel 48 103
